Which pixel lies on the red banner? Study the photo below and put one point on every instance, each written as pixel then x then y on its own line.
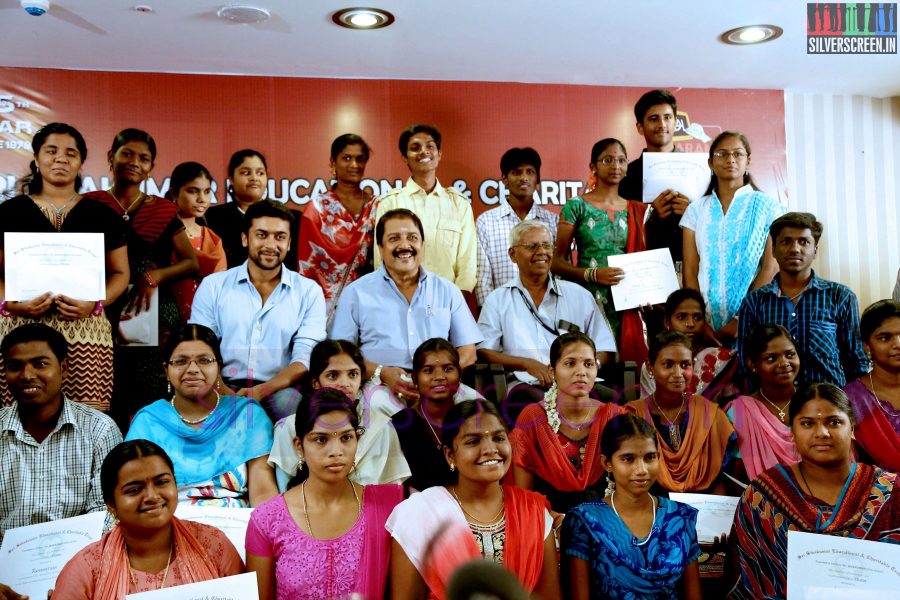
pixel 205 118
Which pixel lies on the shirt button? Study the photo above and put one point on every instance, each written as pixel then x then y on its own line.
pixel 793 314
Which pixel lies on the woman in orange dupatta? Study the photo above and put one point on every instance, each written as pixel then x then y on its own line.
pixel 190 187
pixel 149 549
pixel 695 437
pixel 551 452
pixel 438 530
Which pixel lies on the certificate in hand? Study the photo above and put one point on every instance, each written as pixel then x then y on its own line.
pixel 649 278
pixel 230 521
pixel 828 566
pixel 236 587
pixel 715 513
pixel 72 264
pixel 33 556
pixel 685 172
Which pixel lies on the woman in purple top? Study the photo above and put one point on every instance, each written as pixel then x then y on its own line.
pixel 325 536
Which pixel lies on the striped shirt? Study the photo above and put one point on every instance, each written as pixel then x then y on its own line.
pixel 59 477
pixel 824 323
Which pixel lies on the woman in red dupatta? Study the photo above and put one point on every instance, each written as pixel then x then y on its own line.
pixel 149 549
pixel 875 397
pixel 552 454
pixel 438 530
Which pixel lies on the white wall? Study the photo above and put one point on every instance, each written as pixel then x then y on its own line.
pixel 843 161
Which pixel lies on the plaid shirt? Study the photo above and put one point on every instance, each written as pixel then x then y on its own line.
pixel 58 478
pixel 495 267
pixel 824 322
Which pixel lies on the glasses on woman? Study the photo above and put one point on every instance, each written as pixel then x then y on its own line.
pixel 726 154
pixel 182 361
pixel 609 160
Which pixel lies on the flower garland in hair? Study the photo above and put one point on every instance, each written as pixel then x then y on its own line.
pixel 549 404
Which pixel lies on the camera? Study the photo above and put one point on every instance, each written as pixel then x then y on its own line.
pixel 36 7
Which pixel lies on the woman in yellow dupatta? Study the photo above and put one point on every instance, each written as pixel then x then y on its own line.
pixel 149 549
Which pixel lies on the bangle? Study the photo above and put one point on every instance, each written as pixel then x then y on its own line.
pixel 589 274
pixel 3 310
pixel 98 309
pixel 149 280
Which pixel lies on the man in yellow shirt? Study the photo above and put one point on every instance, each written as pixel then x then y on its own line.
pixel 446 214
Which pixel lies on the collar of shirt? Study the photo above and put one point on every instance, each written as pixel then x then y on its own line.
pixel 423 274
pixel 516 282
pixel 413 188
pixel 507 210
pixel 244 275
pixel 741 191
pixel 12 422
pixel 774 286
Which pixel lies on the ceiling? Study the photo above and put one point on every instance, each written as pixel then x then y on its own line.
pixel 655 43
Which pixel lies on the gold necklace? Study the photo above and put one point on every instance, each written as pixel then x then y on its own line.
pixel 427 418
pixel 162 584
pixel 781 410
pixel 674 435
pixel 201 419
pixel 473 517
pixel 306 514
pixel 126 216
pixel 57 221
pixel 881 403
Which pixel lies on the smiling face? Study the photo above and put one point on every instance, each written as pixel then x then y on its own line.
pixel 249 180
pixel 192 370
pixel 145 496
pixel 34 375
pixel 422 154
pixel 59 160
pixel 688 318
pixel 131 163
pixel 533 252
pixel 611 165
pixel 822 433
pixel 401 246
pixel 576 370
pixel 734 161
pixel 672 369
pixel 330 448
pixel 779 364
pixel 658 127
pixel 267 242
pixel 438 379
pixel 884 345
pixel 194 196
pixel 634 466
pixel 521 182
pixel 342 373
pixel 794 250
pixel 350 164
pixel 481 450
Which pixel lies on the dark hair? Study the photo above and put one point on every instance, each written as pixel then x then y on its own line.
pixel 620 428
pixel 134 135
pixel 237 159
pixel 323 352
pixel 33 183
pixel 516 157
pixel 796 220
pixel 651 99
pixel 192 333
pixel 824 391
pixel 397 213
pixel 665 339
pixel 182 175
pixel 347 139
pixel 433 345
pixel 602 145
pixel 462 412
pixel 267 208
pixel 761 335
pixel 875 315
pixel 418 128
pixel 713 180
pixel 311 408
pixel 677 297
pixel 122 454
pixel 35 332
pixel 566 340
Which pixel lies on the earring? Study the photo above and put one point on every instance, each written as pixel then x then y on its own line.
pixel 610 484
pixel 452 467
pixel 299 463
pixel 169 385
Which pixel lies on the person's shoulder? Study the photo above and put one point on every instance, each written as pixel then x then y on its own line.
pixel 90 418
pixel 384 493
pixel 15 202
pixel 442 284
pixel 269 510
pixel 525 496
pixel 499 295
pixel 570 287
pixel 679 509
pixel 489 216
pixel 531 416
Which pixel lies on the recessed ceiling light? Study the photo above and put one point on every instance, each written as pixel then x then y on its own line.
pixel 244 13
pixel 751 34
pixel 362 18
pixel 142 8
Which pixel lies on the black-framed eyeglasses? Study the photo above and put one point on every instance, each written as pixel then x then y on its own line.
pixel 181 362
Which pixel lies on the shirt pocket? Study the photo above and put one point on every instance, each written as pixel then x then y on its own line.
pixel 822 335
pixel 448 233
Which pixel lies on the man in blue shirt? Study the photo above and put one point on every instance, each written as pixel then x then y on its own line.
pixel 823 316
pixel 390 312
pixel 267 317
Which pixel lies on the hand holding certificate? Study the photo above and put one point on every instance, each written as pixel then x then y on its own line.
pixel 33 556
pixel 236 587
pixel 649 278
pixel 71 264
pixel 715 513
pixel 837 568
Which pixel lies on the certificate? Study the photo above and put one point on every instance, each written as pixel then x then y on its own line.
pixel 236 587
pixel 649 278
pixel 685 172
pixel 715 514
pixel 33 556
pixel 230 521
pixel 828 566
pixel 72 264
